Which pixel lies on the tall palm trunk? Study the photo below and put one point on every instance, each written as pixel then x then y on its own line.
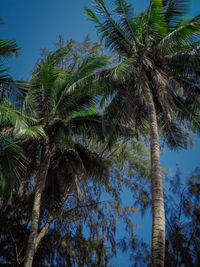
pixel 158 228
pixel 40 184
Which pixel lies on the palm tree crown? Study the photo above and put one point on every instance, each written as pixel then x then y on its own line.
pixel 157 46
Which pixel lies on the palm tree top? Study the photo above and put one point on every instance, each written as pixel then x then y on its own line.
pixel 153 28
pixel 161 47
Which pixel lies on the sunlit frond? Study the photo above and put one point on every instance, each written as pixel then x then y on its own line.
pixel 184 35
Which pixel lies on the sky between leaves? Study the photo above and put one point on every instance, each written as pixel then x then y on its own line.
pixel 36 24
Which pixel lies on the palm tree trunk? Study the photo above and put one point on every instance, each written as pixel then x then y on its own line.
pixel 158 228
pixel 41 179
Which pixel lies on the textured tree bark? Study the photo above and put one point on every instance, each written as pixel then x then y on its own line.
pixel 40 184
pixel 158 227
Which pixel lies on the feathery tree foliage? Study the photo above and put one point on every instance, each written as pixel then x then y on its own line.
pixel 183 231
pixel 63 224
pixel 156 83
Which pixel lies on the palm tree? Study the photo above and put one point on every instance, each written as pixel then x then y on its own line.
pixel 62 104
pixel 155 84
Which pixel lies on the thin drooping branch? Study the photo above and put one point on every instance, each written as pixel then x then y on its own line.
pixel 51 218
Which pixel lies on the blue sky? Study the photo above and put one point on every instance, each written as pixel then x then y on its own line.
pixel 36 24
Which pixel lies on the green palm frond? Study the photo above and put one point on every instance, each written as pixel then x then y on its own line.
pixel 182 36
pixel 8 84
pixel 57 56
pixel 89 125
pixel 19 123
pixel 122 72
pixel 126 12
pixel 12 115
pixel 8 48
pixel 88 67
pixel 174 11
pixel 157 25
pixel 109 30
pixel 33 132
pixel 47 82
pixel 12 164
pixel 94 165
pixel 78 83
pixel 186 61
pixel 42 87
pixel 76 102
pixel 91 64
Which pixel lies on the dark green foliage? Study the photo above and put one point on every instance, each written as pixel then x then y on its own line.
pixel 12 166
pixel 66 240
pixel 183 232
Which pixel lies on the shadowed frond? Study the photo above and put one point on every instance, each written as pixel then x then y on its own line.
pixel 185 35
pixel 174 11
pixel 8 48
pixel 12 165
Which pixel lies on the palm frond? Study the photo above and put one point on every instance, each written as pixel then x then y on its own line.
pixel 18 123
pixel 42 88
pixel 185 34
pixel 46 82
pixel 12 164
pixel 78 83
pixel 157 26
pixel 185 61
pixel 174 11
pixel 126 13
pixel 76 103
pixel 8 48
pixel 33 132
pixel 110 30
pixel 89 125
pixel 9 85
pixel 12 114
pixel 94 165
pixel 122 72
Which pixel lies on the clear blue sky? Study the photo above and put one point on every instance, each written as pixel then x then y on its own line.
pixel 36 24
